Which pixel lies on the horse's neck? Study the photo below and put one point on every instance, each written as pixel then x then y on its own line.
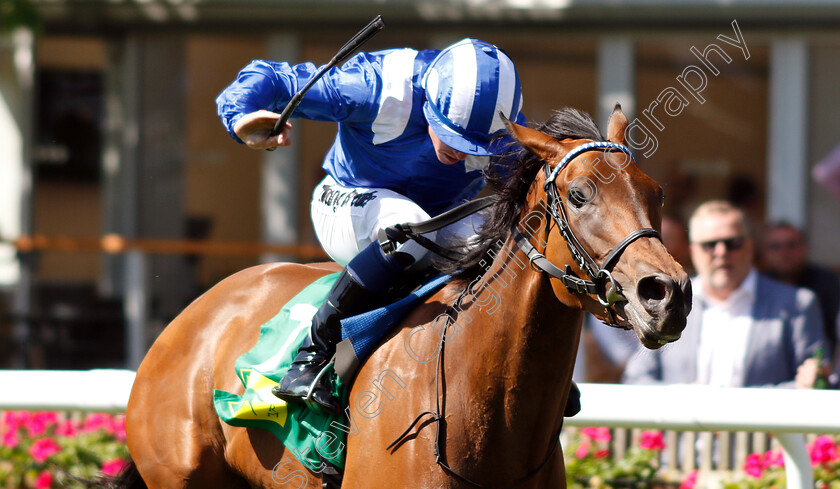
pixel 517 353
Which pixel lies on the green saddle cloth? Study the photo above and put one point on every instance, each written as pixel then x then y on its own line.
pixel 305 432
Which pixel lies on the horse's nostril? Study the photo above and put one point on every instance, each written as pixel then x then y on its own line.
pixel 652 288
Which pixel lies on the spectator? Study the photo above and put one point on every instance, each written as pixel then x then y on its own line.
pixel 784 256
pixel 745 329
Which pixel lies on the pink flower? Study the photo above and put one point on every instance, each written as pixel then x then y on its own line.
pixel 118 427
pixel 753 466
pixel 690 481
pixel 15 419
pixel 113 467
pixel 773 459
pixel 652 440
pixel 602 453
pixel 43 449
pixel 38 423
pixel 44 480
pixel 583 450
pixel 98 421
pixel 601 434
pixel 10 440
pixel 823 451
pixel 66 428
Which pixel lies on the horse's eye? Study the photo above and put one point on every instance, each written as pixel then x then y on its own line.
pixel 577 197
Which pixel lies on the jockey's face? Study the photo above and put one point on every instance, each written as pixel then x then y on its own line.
pixel 445 154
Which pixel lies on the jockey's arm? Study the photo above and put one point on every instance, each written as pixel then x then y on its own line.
pixel 250 105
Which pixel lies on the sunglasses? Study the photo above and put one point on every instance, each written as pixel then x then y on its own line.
pixel 731 244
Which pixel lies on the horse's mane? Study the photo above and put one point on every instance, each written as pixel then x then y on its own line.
pixel 511 174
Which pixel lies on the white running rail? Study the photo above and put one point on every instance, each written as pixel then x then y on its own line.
pixel 65 390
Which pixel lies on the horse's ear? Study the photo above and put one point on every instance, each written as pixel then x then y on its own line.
pixel 616 126
pixel 543 145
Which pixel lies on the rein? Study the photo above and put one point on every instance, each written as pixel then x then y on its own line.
pixel 400 233
pixel 439 417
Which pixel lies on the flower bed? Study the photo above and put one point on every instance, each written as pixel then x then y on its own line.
pixel 38 449
pixel 589 464
pixel 767 470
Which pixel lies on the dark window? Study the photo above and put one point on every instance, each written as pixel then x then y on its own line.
pixel 68 128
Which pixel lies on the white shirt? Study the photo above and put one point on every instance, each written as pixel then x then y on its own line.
pixel 724 332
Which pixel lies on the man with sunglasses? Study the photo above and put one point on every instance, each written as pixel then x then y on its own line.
pixel 745 329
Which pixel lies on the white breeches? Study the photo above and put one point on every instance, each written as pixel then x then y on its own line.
pixel 348 219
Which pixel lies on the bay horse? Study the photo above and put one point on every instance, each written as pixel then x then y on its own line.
pixel 479 373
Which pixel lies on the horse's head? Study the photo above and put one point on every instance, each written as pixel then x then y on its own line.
pixel 595 216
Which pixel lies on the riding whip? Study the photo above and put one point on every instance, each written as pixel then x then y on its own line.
pixel 373 28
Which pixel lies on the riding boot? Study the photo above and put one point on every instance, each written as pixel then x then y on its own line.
pixel 369 275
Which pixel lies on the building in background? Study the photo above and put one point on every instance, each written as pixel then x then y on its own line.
pixel 108 126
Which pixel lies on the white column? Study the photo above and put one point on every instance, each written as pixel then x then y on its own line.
pixel 16 77
pixel 280 183
pixel 17 70
pixel 787 167
pixel 616 78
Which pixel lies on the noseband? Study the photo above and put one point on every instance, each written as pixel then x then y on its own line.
pixel 598 275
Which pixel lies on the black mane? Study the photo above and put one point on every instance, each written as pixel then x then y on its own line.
pixel 511 174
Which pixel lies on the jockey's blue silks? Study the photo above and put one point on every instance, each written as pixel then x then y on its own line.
pixel 378 101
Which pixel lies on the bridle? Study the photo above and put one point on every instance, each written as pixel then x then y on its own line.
pixel 596 285
pixel 598 275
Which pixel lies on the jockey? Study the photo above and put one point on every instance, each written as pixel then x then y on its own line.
pixel 415 130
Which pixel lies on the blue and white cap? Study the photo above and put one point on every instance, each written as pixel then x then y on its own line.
pixel 467 85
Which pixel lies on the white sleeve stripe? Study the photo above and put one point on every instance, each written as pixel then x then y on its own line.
pixel 396 99
pixel 507 90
